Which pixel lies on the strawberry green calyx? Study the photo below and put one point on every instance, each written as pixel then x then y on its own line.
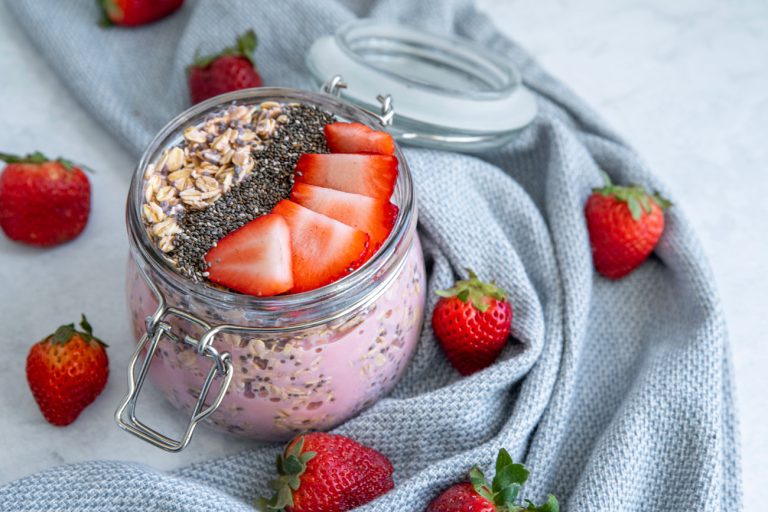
pixel 110 10
pixel 290 466
pixel 505 488
pixel 34 158
pixel 475 291
pixel 551 505
pixel 64 333
pixel 245 46
pixel 637 199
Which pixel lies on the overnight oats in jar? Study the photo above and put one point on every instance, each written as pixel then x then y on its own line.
pixel 276 281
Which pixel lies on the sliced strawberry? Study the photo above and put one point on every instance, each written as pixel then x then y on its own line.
pixel 323 249
pixel 357 138
pixel 255 259
pixel 373 216
pixel 369 175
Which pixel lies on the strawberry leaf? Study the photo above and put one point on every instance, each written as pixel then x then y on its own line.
pixel 35 158
pixel 606 178
pixel 479 483
pixel 294 482
pixel 109 11
pixel 662 202
pixel 551 505
pixel 290 466
pixel 85 325
pixel 32 158
pixel 507 495
pixel 503 459
pixel 637 199
pixel 64 333
pixel 508 480
pixel 509 475
pixel 67 164
pixel 475 291
pixel 246 43
pixel 634 207
pixel 244 46
pixel 645 201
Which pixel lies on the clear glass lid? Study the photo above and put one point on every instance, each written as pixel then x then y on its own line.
pixel 447 92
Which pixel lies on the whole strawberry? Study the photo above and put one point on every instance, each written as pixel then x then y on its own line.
pixel 230 70
pixel 625 224
pixel 321 472
pixel 472 321
pixel 42 201
pixel 136 12
pixel 500 496
pixel 66 372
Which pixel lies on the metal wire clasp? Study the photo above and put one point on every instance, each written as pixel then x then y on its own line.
pixel 156 328
pixel 387 112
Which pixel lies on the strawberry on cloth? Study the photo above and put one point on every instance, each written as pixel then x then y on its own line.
pixel 321 472
pixel 472 321
pixel 625 224
pixel 229 70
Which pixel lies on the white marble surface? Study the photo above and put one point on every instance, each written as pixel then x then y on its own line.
pixel 686 82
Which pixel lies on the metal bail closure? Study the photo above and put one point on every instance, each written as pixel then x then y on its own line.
pixel 221 367
pixel 385 116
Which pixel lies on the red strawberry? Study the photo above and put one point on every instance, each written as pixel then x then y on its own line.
pixel 500 496
pixel 231 70
pixel 323 250
pixel 43 202
pixel 461 498
pixel 255 259
pixel 357 138
pixel 321 472
pixel 369 175
pixel 66 372
pixel 373 216
pixel 472 321
pixel 137 12
pixel 625 224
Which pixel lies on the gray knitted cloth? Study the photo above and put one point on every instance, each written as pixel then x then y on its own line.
pixel 617 395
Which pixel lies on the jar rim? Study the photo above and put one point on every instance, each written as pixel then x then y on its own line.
pixel 352 288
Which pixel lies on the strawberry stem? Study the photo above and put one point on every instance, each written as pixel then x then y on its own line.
pixel 109 11
pixel 34 158
pixel 637 199
pixel 65 332
pixel 245 46
pixel 290 466
pixel 474 290
pixel 506 486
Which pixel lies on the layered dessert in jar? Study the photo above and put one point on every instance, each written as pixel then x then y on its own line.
pixel 290 218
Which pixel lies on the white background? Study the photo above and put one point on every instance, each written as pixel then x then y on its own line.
pixel 686 82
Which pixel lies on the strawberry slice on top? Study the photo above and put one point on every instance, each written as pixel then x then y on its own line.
pixel 369 175
pixel 254 259
pixel 357 138
pixel 373 216
pixel 323 249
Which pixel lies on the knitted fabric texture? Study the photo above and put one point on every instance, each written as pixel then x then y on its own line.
pixel 616 394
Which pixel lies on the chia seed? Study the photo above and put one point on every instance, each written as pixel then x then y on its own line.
pixel 270 182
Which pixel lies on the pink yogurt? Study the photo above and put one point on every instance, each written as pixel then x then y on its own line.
pixel 307 380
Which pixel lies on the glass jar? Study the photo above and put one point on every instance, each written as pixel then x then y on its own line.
pixel 270 367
